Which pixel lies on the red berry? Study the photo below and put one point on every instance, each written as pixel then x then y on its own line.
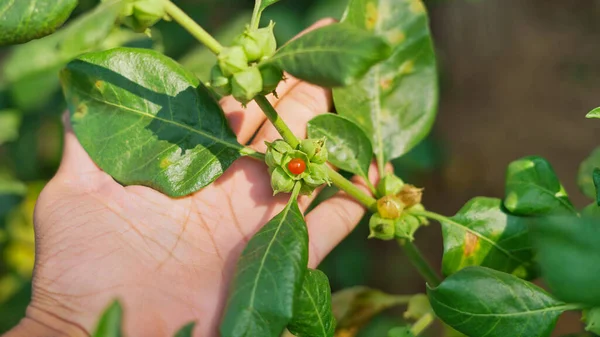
pixel 296 166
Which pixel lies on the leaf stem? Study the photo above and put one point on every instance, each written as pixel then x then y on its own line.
pixel 278 123
pixel 422 323
pixel 431 215
pixel 355 192
pixel 246 151
pixel 418 260
pixel 337 179
pixel 255 15
pixel 295 192
pixel 192 27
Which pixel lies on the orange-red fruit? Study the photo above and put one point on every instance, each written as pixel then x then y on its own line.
pixel 296 166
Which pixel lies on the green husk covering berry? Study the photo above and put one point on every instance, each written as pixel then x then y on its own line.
pixel 246 84
pixel 140 15
pixel 218 82
pixel 381 228
pixel 279 154
pixel 281 182
pixel 271 76
pixel 315 150
pixel 257 44
pixel 390 184
pixel 232 60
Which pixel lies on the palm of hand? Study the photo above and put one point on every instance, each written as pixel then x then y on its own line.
pixel 169 261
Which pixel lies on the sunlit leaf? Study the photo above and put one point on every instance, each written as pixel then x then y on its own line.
pixel 532 188
pixel 268 277
pixel 24 20
pixel 334 55
pixel 348 146
pixel 483 234
pixel 478 301
pixel 145 120
pixel 594 113
pixel 396 101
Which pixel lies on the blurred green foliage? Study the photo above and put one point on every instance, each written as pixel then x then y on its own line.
pixel 31 105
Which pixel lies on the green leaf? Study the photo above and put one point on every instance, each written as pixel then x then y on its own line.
pixel 532 188
pixel 31 70
pixel 145 120
pixel 201 59
pixel 596 178
pixel 312 309
pixel 186 331
pixel 354 307
pixel 348 146
pixel 569 255
pixel 334 55
pixel 10 121
pixel 262 4
pixel 269 277
pixel 24 20
pixel 593 114
pixel 483 234
pixel 586 169
pixel 110 322
pixel 478 301
pixel 396 102
pixel 400 332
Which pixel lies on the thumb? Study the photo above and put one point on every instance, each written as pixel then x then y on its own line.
pixel 75 161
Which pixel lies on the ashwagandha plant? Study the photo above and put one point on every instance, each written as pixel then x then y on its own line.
pixel 145 120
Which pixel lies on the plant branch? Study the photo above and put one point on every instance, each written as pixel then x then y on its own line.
pixel 278 123
pixel 422 324
pixel 255 16
pixel 431 215
pixel 192 27
pixel 418 260
pixel 352 190
pixel 246 151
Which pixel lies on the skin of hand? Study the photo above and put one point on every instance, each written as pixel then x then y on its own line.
pixel 169 261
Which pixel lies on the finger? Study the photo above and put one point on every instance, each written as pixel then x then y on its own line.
pixel 245 122
pixel 331 221
pixel 75 161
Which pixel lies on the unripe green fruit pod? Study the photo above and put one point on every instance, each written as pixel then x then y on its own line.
pixel 271 77
pixel 420 208
pixel 266 40
pixel 315 149
pixel 406 226
pixel 381 228
pixel 140 15
pixel 218 82
pixel 276 152
pixel 232 60
pixel 281 182
pixel 390 207
pixel 390 184
pixel 249 42
pixel 317 175
pixel 246 84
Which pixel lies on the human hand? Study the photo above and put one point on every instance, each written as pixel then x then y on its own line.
pixel 169 261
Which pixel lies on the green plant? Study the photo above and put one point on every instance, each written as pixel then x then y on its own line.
pixel 146 120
